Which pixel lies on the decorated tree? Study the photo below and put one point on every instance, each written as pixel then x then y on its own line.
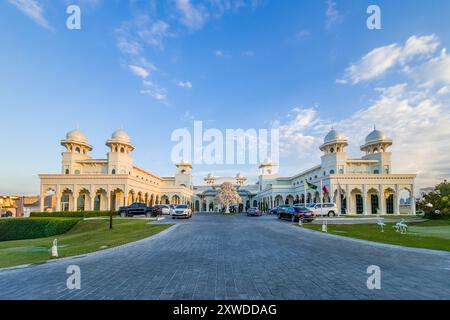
pixel 227 196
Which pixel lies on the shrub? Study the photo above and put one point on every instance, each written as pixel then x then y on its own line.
pixel 23 228
pixel 71 214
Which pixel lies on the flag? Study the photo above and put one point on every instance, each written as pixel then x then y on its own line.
pixel 324 189
pixel 310 186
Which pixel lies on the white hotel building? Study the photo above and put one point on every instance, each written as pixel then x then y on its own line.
pixel 365 185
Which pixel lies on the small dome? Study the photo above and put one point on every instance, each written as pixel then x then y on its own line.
pixel 333 135
pixel 375 135
pixel 121 136
pixel 267 162
pixel 77 136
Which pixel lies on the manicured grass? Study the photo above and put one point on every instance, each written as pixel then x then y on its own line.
pixel 87 236
pixel 430 234
pixel 229 214
pixel 387 216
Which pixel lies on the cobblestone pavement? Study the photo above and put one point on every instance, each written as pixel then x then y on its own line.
pixel 237 257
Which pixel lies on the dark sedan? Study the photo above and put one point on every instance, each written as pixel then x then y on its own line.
pixel 294 214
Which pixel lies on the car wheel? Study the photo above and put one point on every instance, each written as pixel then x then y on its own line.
pixel 331 214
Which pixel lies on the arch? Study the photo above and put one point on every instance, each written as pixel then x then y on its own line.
pixel 279 200
pixel 131 197
pixel 289 200
pixel 373 201
pixel 389 199
pixel 164 199
pixel 100 200
pixel 255 203
pixel 175 199
pixel 66 200
pixel 83 200
pixel 197 206
pixel 356 204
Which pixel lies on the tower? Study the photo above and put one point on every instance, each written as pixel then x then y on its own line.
pixel 267 173
pixel 376 148
pixel 77 148
pixel 120 160
pixel 334 155
pixel 184 176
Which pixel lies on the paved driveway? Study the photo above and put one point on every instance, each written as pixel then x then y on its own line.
pixel 218 257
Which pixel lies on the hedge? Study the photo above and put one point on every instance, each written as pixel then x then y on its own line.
pixel 71 214
pixel 22 228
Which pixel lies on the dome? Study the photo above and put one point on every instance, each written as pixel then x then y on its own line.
pixel 333 135
pixel 76 136
pixel 375 135
pixel 121 136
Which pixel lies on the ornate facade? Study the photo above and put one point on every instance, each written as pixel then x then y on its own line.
pixel 365 185
pixel 104 184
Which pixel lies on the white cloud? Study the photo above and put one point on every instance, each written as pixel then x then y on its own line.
pixel 33 9
pixel 444 90
pixel 302 35
pixel 378 61
pixel 333 16
pixel 186 84
pixel 192 16
pixel 415 120
pixel 436 70
pixel 153 90
pixel 220 54
pixel 139 71
pixel 154 33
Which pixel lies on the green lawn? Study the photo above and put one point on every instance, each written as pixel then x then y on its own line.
pixel 430 234
pixel 387 216
pixel 87 236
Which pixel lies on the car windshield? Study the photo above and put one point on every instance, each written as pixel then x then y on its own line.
pixel 300 209
pixel 183 206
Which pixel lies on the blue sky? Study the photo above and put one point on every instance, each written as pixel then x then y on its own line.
pixel 154 66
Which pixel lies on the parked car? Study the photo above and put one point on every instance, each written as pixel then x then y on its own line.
pixel 161 209
pixel 181 210
pixel 286 212
pixel 7 214
pixel 136 209
pixel 253 212
pixel 302 213
pixel 329 209
pixel 273 211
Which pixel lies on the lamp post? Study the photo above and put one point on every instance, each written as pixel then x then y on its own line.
pixel 110 211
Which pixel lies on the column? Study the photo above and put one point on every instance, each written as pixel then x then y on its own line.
pixel 347 199
pixel 413 201
pixel 397 200
pixel 91 201
pixel 382 200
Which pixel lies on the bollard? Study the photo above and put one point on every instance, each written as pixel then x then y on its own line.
pixel 55 248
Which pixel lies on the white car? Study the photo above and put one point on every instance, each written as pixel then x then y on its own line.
pixel 181 211
pixel 329 209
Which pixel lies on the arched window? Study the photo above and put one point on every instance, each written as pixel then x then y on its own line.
pixel 77 150
pixel 183 171
pixel 376 171
pixel 67 171
pixel 116 149
pixel 332 150
pixel 113 171
pixel 122 150
pixel 331 171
